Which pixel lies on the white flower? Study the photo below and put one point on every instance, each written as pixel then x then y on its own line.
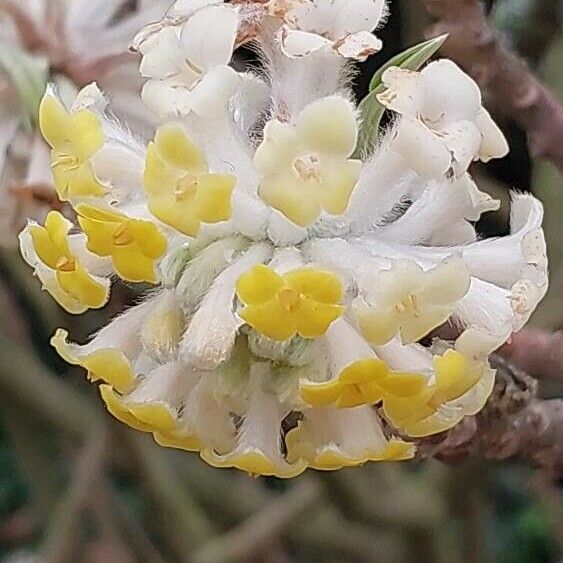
pixel 340 25
pixel 72 43
pixel 442 116
pixel 301 297
pixel 187 63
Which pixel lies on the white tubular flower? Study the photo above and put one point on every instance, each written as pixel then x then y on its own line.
pixel 341 26
pixel 187 63
pixel 308 309
pixel 72 44
pixel 443 126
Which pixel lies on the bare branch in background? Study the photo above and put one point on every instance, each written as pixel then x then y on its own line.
pixel 477 47
pixel 537 352
pixel 514 424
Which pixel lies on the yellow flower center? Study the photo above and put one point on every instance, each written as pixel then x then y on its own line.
pixel 68 161
pixel 308 168
pixel 65 264
pixel 290 298
pixel 410 305
pixel 122 235
pixel 186 187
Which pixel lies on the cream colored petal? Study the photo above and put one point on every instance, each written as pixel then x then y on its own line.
pixel 278 148
pixel 493 141
pixel 208 37
pixel 358 46
pixel 339 181
pixel 400 94
pixel 328 126
pixel 296 44
pixel 446 94
pixel 286 194
pixel 426 153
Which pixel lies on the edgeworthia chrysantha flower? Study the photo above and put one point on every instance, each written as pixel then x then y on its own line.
pixel 309 304
pixel 69 43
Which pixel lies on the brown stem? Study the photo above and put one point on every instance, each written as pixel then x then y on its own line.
pixel 477 47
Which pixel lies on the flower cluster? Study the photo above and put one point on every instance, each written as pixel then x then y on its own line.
pixel 313 306
pixel 70 44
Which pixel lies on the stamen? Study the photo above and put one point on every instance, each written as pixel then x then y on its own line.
pixel 186 187
pixel 122 235
pixel 308 168
pixel 290 298
pixel 65 264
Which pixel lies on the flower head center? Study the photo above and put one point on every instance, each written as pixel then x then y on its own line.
pixel 408 305
pixel 68 161
pixel 308 168
pixel 65 264
pixel 186 187
pixel 290 298
pixel 122 235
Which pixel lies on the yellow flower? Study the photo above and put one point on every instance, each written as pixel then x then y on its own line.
pixel 410 301
pixel 155 418
pixel 133 244
pixel 365 382
pixel 181 191
pixel 306 168
pixel 103 364
pixel 72 285
pixel 455 376
pixel 74 138
pixel 303 302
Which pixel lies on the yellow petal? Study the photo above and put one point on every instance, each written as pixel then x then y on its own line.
pixel 339 180
pixel 363 371
pixel 178 150
pixel 377 327
pixel 178 440
pixel 320 394
pixel 324 287
pixel 157 417
pixel 313 318
pixel 58 228
pixel 117 408
pixel 151 241
pixel 178 215
pixel 80 285
pixel 397 450
pixel 270 319
pixel 351 397
pixel 54 121
pixel 86 133
pixel 77 182
pixel 132 265
pixel 329 125
pixel 159 178
pixel 108 365
pixel 453 375
pixel 404 384
pixel 258 285
pixel 291 198
pixel 213 197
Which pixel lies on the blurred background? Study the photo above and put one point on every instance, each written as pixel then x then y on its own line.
pixel 77 486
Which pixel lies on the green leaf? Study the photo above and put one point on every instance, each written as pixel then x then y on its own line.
pixel 370 109
pixel 29 75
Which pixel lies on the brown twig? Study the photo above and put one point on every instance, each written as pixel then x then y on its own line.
pixel 63 533
pixel 537 352
pixel 514 424
pixel 476 46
